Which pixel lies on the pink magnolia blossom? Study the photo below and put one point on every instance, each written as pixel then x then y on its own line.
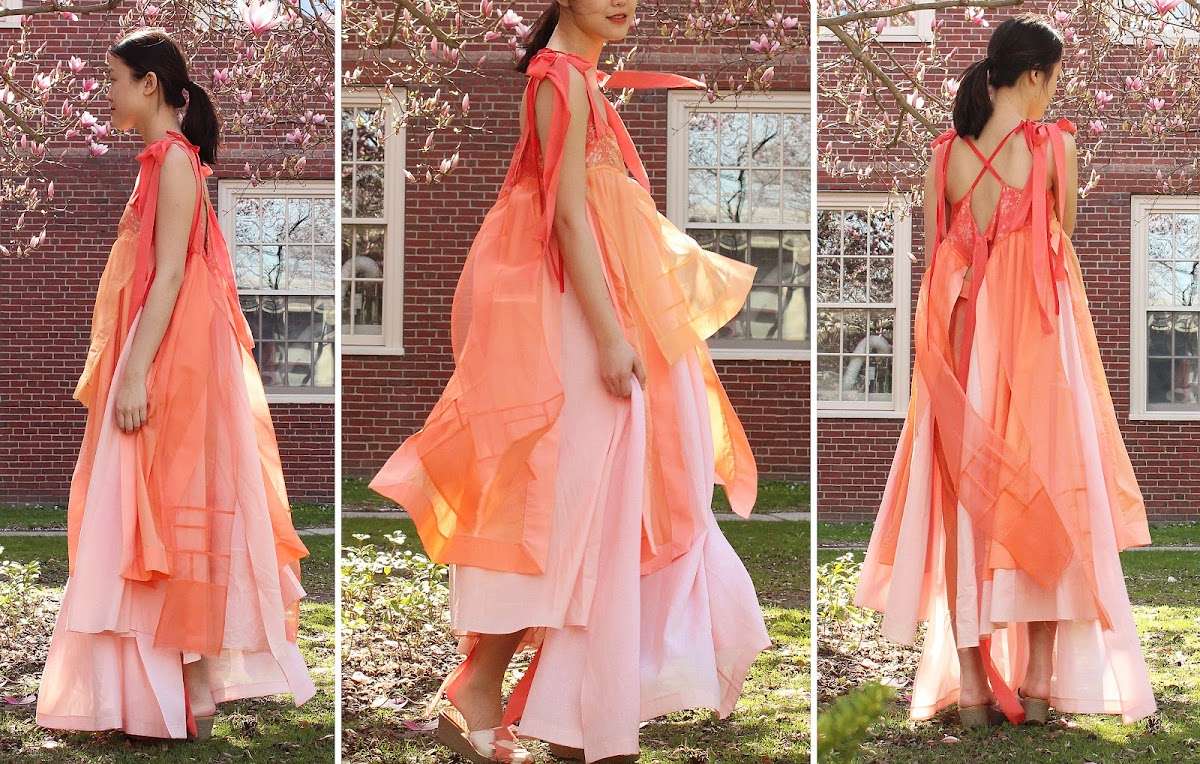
pixel 301 163
pixel 466 103
pixel 1156 104
pixel 1165 6
pixel 260 17
pixel 1103 99
pixel 1062 17
pixel 1096 128
pixel 151 11
pixel 1133 83
pixel 295 136
pixel 50 190
pixel 86 120
pixel 768 74
pixel 99 149
pixel 510 19
pixel 77 65
pixel 951 86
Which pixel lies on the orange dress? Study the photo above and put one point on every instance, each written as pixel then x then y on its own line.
pixel 180 538
pixel 583 518
pixel 1011 493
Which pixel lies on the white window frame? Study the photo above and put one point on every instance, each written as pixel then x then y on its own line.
pixel 921 30
pixel 901 296
pixel 1141 207
pixel 679 106
pixel 10 22
pixel 229 190
pixel 391 341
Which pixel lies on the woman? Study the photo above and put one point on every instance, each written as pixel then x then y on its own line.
pixel 1011 493
pixel 184 581
pixel 567 471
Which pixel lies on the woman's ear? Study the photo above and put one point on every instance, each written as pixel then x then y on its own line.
pixel 150 83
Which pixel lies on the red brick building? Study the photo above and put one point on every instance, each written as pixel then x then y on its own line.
pixel 1139 250
pixel 396 326
pixel 282 236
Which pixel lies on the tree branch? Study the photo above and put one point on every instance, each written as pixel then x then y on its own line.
pixel 847 18
pixel 884 79
pixel 56 7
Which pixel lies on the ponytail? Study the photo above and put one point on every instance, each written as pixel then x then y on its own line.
pixel 539 35
pixel 973 104
pixel 200 123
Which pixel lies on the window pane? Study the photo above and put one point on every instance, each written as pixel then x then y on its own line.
pixel 733 201
pixel 766 140
pixel 797 200
pixel 735 138
pixel 368 191
pixel 702 139
pixel 797 136
pixel 1173 365
pixel 702 196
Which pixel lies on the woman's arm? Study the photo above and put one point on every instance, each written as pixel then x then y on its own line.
pixel 581 257
pixel 931 201
pixel 172 225
pixel 1071 182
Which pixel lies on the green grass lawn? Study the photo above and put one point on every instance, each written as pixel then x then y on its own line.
pixel 769 726
pixel 18 517
pixel 1164 588
pixel 848 534
pixel 260 730
pixel 773 496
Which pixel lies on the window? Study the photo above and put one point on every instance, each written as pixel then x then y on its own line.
pixel 10 22
pixel 372 251
pixel 281 239
pixel 863 306
pixel 740 183
pixel 1165 364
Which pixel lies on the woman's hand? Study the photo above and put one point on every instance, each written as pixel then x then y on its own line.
pixel 617 361
pixel 130 407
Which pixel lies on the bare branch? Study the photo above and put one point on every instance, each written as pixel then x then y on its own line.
pixel 57 7
pixel 888 12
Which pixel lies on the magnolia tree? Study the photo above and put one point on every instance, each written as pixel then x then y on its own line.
pixel 436 50
pixel 1130 70
pixel 273 80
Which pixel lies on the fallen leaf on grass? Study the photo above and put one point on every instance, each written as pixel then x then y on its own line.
pixel 15 701
pixel 421 726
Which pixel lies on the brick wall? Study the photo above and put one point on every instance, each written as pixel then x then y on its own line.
pixel 854 455
pixel 386 398
pixel 46 300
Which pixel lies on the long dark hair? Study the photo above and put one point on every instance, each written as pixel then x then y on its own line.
pixel 539 34
pixel 153 50
pixel 1019 44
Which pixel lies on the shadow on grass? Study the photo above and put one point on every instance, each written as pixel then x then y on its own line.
pixel 258 730
pixel 1158 582
pixel 770 724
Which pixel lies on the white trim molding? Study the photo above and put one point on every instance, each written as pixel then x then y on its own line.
pixel 901 303
pixel 390 341
pixel 1141 210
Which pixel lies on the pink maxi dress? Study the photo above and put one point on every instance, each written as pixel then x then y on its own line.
pixel 179 534
pixel 1011 494
pixel 636 602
